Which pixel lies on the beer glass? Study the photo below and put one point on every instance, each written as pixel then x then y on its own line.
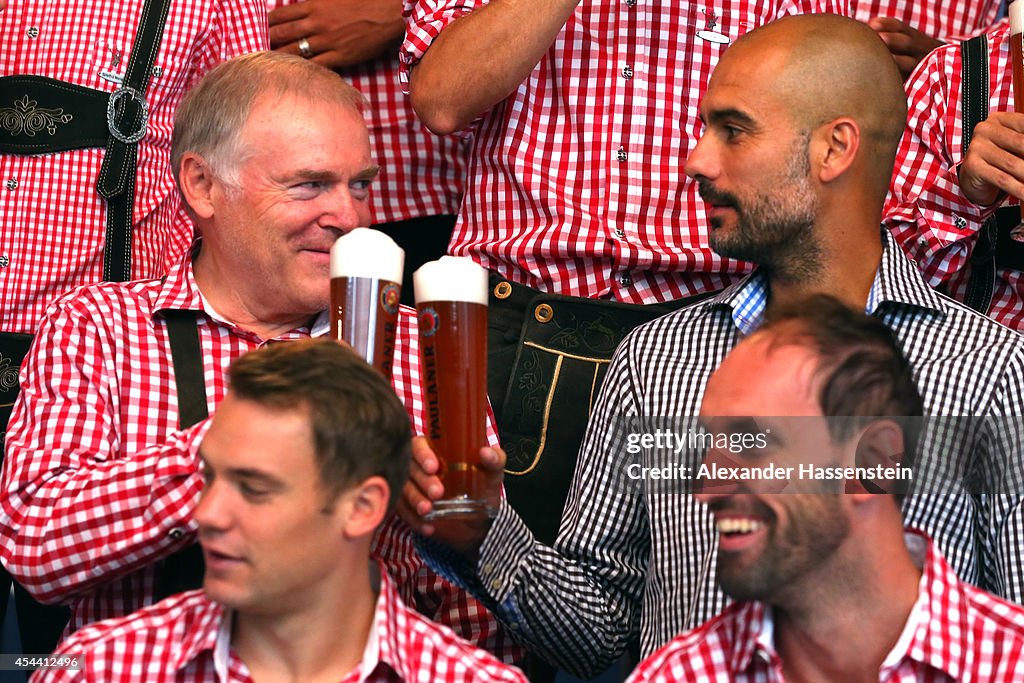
pixel 1016 13
pixel 451 302
pixel 366 284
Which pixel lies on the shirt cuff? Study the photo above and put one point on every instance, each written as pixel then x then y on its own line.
pixel 503 553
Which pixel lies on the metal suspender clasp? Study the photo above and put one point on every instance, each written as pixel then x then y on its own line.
pixel 131 137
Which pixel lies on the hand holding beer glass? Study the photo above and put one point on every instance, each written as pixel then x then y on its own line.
pixel 366 285
pixel 451 302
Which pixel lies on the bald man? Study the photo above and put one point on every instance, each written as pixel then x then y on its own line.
pixel 802 118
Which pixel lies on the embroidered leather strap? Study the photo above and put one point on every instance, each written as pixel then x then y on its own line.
pixel 41 115
pixel 126 119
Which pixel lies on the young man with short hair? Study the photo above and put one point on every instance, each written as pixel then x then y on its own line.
pixel 301 464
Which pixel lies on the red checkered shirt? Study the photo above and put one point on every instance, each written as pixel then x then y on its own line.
pixel 99 484
pixel 576 181
pixel 186 639
pixel 955 632
pixel 926 211
pixel 942 19
pixel 420 173
pixel 52 221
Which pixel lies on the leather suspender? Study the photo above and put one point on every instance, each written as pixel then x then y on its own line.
pixel 997 245
pixel 183 570
pixel 127 111
pixel 187 358
pixel 41 115
pixel 974 105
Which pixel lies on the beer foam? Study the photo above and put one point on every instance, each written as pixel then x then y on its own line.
pixel 367 253
pixel 1016 12
pixel 451 278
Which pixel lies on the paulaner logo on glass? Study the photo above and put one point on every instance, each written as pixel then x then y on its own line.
pixel 667 439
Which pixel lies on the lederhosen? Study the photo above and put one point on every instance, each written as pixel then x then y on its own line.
pixel 43 116
pixel 996 246
pixel 547 357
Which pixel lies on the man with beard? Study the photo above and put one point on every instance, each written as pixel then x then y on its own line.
pixel 811 565
pixel 802 118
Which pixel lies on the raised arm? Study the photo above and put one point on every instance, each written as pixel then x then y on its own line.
pixel 935 207
pixel 480 58
pixel 577 604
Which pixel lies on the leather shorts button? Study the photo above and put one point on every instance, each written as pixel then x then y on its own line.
pixel 502 290
pixel 543 313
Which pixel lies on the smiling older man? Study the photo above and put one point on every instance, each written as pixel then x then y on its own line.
pixel 100 480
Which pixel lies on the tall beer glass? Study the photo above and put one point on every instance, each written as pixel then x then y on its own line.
pixel 1016 12
pixel 451 300
pixel 366 285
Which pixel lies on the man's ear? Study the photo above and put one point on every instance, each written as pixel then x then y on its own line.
pixel 197 182
pixel 881 446
pixel 366 506
pixel 838 144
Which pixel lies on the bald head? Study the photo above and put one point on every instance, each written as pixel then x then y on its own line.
pixel 823 67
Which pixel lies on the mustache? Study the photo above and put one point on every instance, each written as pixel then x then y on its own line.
pixel 747 508
pixel 710 194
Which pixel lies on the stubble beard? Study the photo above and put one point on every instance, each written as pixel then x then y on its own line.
pixel 812 535
pixel 774 229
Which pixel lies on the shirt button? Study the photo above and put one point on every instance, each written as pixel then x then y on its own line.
pixel 513 626
pixel 960 222
pixel 627 72
pixel 619 232
pixel 176 533
pixel 33 31
pixel 621 154
pixel 495 585
pixel 157 72
pixel 4 261
pixel 625 280
pixel 630 3
pixel 12 183
pixel 487 569
pixel 922 242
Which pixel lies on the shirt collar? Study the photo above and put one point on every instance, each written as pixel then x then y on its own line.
pixel 210 630
pixel 387 644
pixel 897 283
pixel 755 633
pixel 937 631
pixel 202 631
pixel 222 648
pixel 179 291
pixel 378 629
